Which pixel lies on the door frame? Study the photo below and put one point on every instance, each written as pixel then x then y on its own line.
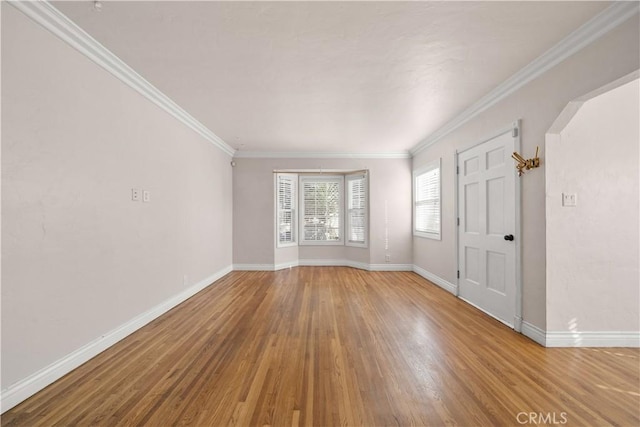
pixel 515 130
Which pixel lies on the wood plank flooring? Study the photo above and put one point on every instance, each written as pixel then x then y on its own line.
pixel 330 346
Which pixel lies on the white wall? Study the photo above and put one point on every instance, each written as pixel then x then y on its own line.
pixel 593 281
pixel 79 258
pixel 253 198
pixel 537 104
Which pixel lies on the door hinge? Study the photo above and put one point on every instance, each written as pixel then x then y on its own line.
pixel 457 170
pixel 458 221
pixel 458 274
pixel 514 132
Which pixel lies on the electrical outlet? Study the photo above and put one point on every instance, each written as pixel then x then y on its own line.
pixel 569 200
pixel 135 194
pixel 387 258
pixel 146 196
pixel 185 280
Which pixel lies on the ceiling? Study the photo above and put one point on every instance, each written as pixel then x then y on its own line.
pixel 365 77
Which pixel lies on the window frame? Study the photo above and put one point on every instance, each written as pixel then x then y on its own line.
pixel 347 211
pixel 433 165
pixel 294 210
pixel 341 216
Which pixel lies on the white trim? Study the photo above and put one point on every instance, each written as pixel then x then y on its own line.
pixel 581 338
pixel 447 286
pixel 390 267
pixel 339 179
pixel 323 263
pixel 319 155
pixel 517 323
pixel 45 14
pixel 347 217
pixel 514 126
pixel 52 19
pixel 536 334
pixel 321 171
pixel 27 387
pixel 518 229
pixel 505 129
pixel 599 25
pixel 285 245
pixel 333 263
pixel 253 267
pixel 294 214
pixel 428 167
pixel 592 339
pixel 456 243
pixel 285 265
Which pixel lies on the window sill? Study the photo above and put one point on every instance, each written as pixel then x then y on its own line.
pixel 323 243
pixel 432 236
pixel 286 245
pixel 357 245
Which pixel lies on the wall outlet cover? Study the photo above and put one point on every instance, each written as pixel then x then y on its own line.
pixel 569 199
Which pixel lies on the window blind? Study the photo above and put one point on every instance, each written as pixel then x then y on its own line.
pixel 357 209
pixel 427 201
pixel 286 209
pixel 321 210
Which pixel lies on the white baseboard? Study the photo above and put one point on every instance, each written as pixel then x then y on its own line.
pixel 592 339
pixel 285 265
pixel 253 267
pixel 447 286
pixel 27 387
pixel 323 263
pixel 581 338
pixel 333 263
pixel 391 267
pixel 536 334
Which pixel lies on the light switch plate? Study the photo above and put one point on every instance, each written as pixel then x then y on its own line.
pixel 569 199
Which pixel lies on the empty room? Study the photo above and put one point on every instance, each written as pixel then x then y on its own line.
pixel 320 213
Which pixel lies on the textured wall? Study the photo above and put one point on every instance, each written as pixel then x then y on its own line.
pixel 79 258
pixel 253 196
pixel 593 281
pixel 537 104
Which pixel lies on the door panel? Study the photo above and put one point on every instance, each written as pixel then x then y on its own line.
pixel 487 210
pixel 472 208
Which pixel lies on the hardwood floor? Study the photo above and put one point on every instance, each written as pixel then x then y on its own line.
pixel 331 346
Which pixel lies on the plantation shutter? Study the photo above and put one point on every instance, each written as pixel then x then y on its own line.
pixel 286 209
pixel 427 200
pixel 357 209
pixel 321 210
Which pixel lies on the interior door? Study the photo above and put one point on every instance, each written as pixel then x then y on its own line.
pixel 487 227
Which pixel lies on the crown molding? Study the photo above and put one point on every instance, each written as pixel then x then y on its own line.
pixel 586 34
pixel 319 155
pixel 45 14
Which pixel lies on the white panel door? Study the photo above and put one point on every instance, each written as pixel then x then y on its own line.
pixel 487 227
